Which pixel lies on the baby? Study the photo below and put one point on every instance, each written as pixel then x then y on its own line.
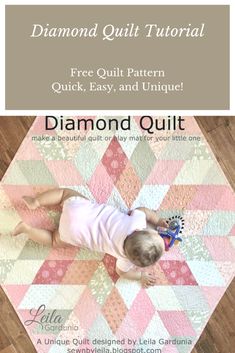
pixel 131 238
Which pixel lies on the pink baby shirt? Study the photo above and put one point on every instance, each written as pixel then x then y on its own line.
pixel 99 227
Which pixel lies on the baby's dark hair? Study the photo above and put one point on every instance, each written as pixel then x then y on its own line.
pixel 144 248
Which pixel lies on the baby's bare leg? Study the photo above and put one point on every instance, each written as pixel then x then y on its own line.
pixel 50 198
pixel 47 198
pixel 57 242
pixel 41 236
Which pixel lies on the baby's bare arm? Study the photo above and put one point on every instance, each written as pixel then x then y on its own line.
pixel 134 275
pixel 146 279
pixel 152 217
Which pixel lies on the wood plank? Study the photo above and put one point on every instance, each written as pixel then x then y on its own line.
pixel 12 133
pixel 222 143
pixel 219 334
pixel 23 344
pixel 4 340
pixel 11 325
pixel 209 123
pixel 9 349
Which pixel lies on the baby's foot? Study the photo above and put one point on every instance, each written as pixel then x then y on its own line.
pixel 31 202
pixel 20 228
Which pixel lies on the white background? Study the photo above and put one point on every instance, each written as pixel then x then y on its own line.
pixel 112 112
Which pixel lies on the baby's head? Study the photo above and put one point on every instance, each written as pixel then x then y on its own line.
pixel 144 247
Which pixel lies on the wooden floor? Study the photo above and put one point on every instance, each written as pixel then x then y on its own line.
pixel 219 334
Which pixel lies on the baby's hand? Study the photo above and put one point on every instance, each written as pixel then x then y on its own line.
pixel 147 280
pixel 162 223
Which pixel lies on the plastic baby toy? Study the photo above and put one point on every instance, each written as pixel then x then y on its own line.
pixel 171 235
